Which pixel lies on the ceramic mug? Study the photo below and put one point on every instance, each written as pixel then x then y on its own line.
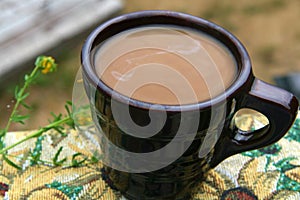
pixel 205 139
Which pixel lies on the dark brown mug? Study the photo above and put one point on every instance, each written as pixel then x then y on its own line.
pixel 129 165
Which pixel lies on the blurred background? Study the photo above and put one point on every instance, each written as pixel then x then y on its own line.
pixel 269 29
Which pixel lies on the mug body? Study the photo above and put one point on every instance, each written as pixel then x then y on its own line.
pixel 194 136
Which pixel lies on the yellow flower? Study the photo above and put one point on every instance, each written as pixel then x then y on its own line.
pixel 46 63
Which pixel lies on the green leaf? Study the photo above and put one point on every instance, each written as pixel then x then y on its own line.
pixel 75 162
pixel 56 117
pixel 60 130
pixel 68 110
pixel 69 103
pixel 2 135
pixel 2 132
pixel 16 92
pixel 27 77
pixel 55 159
pixel 71 124
pixel 94 159
pixel 11 163
pixel 24 96
pixel 25 105
pixel 19 118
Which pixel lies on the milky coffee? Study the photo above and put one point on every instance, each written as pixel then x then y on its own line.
pixel 165 65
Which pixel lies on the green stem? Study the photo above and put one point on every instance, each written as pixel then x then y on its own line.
pixel 18 100
pixel 38 133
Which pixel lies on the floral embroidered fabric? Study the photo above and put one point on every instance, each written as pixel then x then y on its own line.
pixel 272 172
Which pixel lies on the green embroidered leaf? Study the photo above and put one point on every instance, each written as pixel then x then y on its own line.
pixel 284 164
pixel 294 132
pixel 37 151
pixel 271 150
pixel 285 183
pixel 69 190
pixel 55 159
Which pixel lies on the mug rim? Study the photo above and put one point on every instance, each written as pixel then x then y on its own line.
pixel 241 57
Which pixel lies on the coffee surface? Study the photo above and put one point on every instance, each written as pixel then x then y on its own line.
pixel 165 65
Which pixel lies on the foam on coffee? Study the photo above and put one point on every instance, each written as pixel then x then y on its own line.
pixel 165 65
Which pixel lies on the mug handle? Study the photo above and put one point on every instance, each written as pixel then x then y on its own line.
pixel 278 105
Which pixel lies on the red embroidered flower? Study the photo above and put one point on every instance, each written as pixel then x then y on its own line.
pixel 3 188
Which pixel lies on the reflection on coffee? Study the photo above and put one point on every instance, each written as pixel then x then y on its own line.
pixel 165 65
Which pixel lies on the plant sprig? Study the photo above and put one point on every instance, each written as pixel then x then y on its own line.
pixel 44 65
